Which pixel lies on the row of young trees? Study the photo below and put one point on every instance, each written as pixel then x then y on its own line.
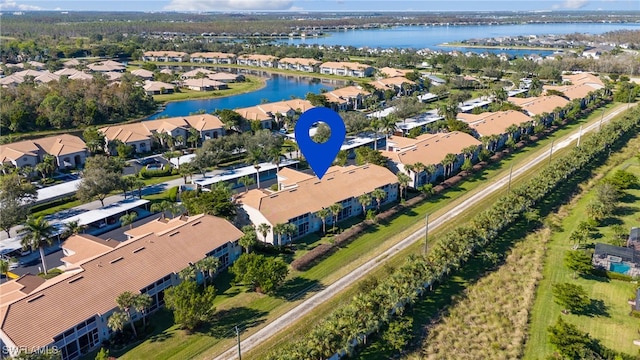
pixel 371 310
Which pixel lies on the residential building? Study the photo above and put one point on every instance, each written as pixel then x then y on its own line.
pixel 435 80
pixel 541 105
pixel 496 124
pixel 69 151
pixel 226 77
pixel 392 72
pixel 143 73
pixel 195 73
pixel 618 259
pixel 70 311
pixel 346 98
pixel 302 195
pixel 276 111
pixel 204 84
pixel 582 78
pixel 164 56
pixel 299 64
pixel 213 58
pixel 107 66
pixel 428 149
pixel 399 84
pixel 157 87
pixel 353 69
pixel 267 61
pixel 585 92
pixel 141 135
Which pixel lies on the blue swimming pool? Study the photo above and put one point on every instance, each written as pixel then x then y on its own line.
pixel 620 268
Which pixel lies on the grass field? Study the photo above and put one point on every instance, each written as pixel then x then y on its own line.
pixel 250 311
pixel 252 83
pixel 615 329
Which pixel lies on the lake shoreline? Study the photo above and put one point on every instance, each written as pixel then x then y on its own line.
pixel 504 47
pixel 262 83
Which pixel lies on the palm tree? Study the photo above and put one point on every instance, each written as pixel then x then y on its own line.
pixel 246 181
pixel 208 267
pixel 364 199
pixel 72 228
pixel 137 184
pixel 403 181
pixel 278 231
pixel 126 301
pixel 290 230
pixel 117 320
pixel 141 304
pixel 37 233
pixel 264 230
pixel 44 168
pixel 188 273
pixel 193 137
pixel 255 156
pixel 500 94
pixel 275 157
pixel 447 163
pixel 128 219
pixel 379 195
pixel 249 238
pixel 160 207
pixel 335 210
pixel 322 214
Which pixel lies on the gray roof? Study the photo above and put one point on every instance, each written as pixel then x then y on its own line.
pixel 634 235
pixel 627 254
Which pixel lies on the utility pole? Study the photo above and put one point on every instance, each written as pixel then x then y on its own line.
pixel 238 337
pixel 601 118
pixel 426 234
pixel 551 151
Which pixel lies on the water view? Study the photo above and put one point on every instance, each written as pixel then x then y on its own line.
pixel 278 87
pixel 419 37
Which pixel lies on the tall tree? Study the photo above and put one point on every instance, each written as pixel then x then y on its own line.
pixel 208 267
pixel 249 238
pixel 578 261
pixel 16 198
pixel 322 215
pixel 190 307
pixel 263 229
pixel 572 297
pixel 126 301
pixel 403 181
pixel 128 219
pixel 101 176
pixel 379 195
pixel 261 273
pixel 141 303
pixel 335 210
pixel 246 181
pixel 364 200
pixel 37 234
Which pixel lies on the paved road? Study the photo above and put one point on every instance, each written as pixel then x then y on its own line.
pixel 308 305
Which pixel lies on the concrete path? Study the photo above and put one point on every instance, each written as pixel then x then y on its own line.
pixel 310 304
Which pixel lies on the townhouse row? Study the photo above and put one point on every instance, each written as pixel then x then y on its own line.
pixel 352 69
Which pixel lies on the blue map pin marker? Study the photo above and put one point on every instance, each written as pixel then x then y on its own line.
pixel 320 156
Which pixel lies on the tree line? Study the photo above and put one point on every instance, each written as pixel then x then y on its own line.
pixel 374 308
pixel 68 103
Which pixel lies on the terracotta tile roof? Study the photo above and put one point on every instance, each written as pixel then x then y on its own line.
pixel 193 73
pixel 202 82
pixel 11 291
pixel 433 149
pixel 165 53
pixel 343 95
pixel 288 177
pixel 222 76
pixel 311 195
pixel 540 104
pixel 34 320
pixel 156 85
pixel 85 246
pixel 81 76
pixel 143 73
pixel 393 72
pixel 583 78
pixel 497 123
pixel 159 225
pixel 391 82
pixel 258 57
pixel 344 65
pixel 579 91
pixel 57 145
pixel 261 112
pixel 301 61
pixel 144 130
pixel 469 117
pixel 213 55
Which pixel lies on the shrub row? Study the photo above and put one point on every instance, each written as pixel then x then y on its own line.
pixel 371 310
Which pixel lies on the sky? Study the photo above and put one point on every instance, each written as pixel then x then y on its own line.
pixel 316 5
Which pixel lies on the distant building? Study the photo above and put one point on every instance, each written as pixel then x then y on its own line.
pixel 275 111
pixel 267 61
pixel 299 64
pixel 213 58
pixel 70 311
pixel 353 69
pixel 346 98
pixel 164 56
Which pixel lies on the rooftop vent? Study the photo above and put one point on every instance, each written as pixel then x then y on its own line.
pixel 138 250
pixel 116 260
pixel 35 298
pixel 76 279
pixel 175 233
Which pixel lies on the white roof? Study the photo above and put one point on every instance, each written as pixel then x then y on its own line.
pixel 473 103
pixel 240 172
pixel 52 192
pixel 382 113
pixel 92 216
pixel 419 120
pixel 350 142
pixel 182 159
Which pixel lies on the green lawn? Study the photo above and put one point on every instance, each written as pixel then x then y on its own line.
pixel 616 329
pixel 252 83
pixel 236 300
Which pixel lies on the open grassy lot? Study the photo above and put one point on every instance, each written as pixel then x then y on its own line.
pixel 614 327
pixel 250 311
